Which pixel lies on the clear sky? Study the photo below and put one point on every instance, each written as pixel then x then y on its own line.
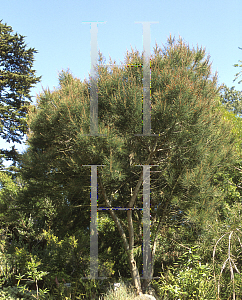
pixel 55 29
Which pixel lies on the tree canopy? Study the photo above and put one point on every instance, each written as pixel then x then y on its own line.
pixel 231 100
pixel 16 79
pixel 195 143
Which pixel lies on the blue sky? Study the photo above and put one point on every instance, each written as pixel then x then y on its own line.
pixel 55 29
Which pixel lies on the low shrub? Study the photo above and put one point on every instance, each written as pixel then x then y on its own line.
pixel 121 293
pixel 189 279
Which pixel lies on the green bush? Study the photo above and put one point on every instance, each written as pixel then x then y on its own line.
pixel 189 279
pixel 15 293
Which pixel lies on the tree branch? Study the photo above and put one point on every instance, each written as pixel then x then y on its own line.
pixel 136 190
pixel 114 217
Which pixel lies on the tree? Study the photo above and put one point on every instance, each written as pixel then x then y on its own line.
pixel 194 144
pixel 231 100
pixel 16 79
pixel 239 73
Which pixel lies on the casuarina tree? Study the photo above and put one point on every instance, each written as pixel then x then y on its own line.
pixel 194 142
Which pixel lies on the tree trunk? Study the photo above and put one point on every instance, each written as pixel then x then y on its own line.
pixel 146 282
pixel 127 246
pixel 135 275
pixel 133 267
pixel 130 246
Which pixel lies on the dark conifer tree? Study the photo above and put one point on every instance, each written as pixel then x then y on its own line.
pixel 16 80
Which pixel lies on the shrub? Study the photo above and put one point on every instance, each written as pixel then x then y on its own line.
pixel 122 293
pixel 15 293
pixel 188 280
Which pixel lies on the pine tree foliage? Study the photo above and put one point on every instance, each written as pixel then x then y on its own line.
pixel 195 142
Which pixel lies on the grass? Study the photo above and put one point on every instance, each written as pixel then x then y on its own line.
pixel 122 293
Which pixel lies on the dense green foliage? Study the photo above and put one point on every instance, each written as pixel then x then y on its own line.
pixel 231 99
pixel 16 80
pixel 195 191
